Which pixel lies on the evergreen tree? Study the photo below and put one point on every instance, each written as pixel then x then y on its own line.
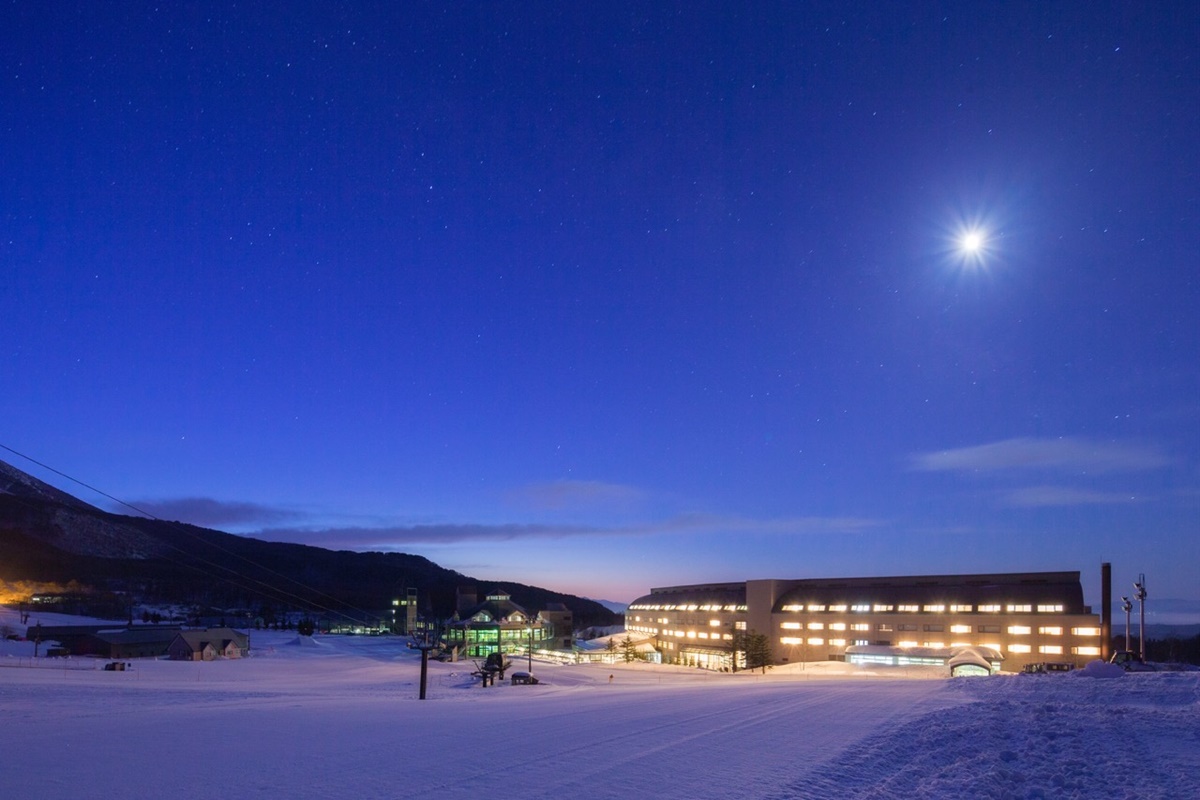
pixel 758 651
pixel 629 650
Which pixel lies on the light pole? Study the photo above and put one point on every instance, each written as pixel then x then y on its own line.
pixel 1140 585
pixel 1126 606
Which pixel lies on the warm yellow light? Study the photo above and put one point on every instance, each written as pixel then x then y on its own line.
pixel 1085 631
pixel 1019 630
pixel 1018 648
pixel 790 626
pixel 1086 651
pixel 1051 649
pixel 960 628
pixel 908 644
pixel 1053 630
pixel 790 640
pixel 816 626
pixel 816 640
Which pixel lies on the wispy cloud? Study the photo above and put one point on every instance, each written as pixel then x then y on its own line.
pixel 394 537
pixel 207 512
pixel 1048 496
pixel 1065 453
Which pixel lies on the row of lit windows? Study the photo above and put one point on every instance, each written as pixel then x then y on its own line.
pixel 1014 630
pixel 686 607
pixel 1045 649
pixel 931 608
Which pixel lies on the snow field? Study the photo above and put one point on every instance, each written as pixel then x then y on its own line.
pixel 339 718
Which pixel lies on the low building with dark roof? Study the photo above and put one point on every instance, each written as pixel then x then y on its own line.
pixel 208 645
pixel 1023 617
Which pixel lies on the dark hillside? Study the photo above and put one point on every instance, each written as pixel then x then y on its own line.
pixel 149 561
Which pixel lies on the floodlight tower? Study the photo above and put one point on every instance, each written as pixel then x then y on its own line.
pixel 1140 586
pixel 1126 606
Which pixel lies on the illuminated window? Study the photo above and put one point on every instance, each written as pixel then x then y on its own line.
pixel 837 642
pixel 1086 651
pixel 989 608
pixel 793 607
pixel 860 608
pixel 714 623
pixel 1050 608
pixel 790 626
pixel 883 626
pixel 790 640
pixel 861 626
pixel 1019 630
pixel 816 640
pixel 740 625
pixel 960 628
pixel 1085 631
pixel 960 644
pixel 861 641
pixel 1052 630
pixel 960 609
pixel 837 626
pixel 691 634
pixel 1051 649
pixel 840 608
pixel 908 609
pixel 816 626
pixel 936 645
pixel 1019 608
pixel 1018 648
pixel 935 609
pixel 880 608
pixel 812 607
pixel 904 643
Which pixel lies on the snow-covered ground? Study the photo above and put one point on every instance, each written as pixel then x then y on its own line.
pixel 339 717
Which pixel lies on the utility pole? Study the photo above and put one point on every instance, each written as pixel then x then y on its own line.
pixel 1140 585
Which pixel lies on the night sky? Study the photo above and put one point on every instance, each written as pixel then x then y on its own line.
pixel 602 297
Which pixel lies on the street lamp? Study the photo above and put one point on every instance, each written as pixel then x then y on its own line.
pixel 1140 586
pixel 1126 606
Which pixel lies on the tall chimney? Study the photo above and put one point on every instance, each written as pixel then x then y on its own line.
pixel 1105 610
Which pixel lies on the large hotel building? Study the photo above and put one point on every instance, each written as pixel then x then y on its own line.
pixel 1015 619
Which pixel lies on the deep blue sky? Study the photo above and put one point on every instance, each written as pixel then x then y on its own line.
pixel 601 297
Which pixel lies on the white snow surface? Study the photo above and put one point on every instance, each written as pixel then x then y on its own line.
pixel 339 718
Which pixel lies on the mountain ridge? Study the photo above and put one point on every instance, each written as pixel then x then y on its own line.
pixel 49 536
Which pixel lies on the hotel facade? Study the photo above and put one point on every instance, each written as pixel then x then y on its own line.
pixel 1013 618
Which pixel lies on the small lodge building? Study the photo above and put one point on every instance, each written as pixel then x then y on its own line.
pixel 499 625
pixel 208 645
